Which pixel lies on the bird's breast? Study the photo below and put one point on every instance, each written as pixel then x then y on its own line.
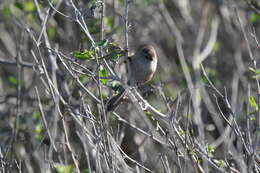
pixel 143 70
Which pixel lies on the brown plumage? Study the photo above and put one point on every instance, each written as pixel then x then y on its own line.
pixel 140 69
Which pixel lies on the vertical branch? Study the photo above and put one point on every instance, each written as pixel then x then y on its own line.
pixel 19 87
pixel 102 21
pixel 18 100
pixel 52 59
pixel 126 25
pixel 103 117
pixel 97 61
pixel 80 20
pixel 101 53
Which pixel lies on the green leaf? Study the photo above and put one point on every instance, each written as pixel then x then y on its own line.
pixel 83 78
pixel 115 55
pixel 38 131
pixel 253 118
pixel 108 20
pixel 182 132
pixel 63 168
pixel 115 85
pixel 52 32
pixel 12 80
pixel 121 2
pixel 253 103
pixel 115 51
pixel 37 116
pixel 216 46
pixel 29 6
pixel 220 163
pixel 103 73
pixel 6 10
pixel 18 5
pixel 211 149
pixel 256 77
pixel 256 71
pixel 38 128
pixel 151 118
pixel 252 69
pixel 148 114
pixel 85 171
pixel 86 55
pixel 254 17
pixel 102 43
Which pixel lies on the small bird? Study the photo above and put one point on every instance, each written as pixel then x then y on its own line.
pixel 140 69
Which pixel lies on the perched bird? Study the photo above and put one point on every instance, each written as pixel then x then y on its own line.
pixel 140 69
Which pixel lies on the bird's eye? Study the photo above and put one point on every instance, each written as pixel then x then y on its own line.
pixel 147 54
pixel 145 51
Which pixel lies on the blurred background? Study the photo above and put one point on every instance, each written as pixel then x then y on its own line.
pixel 53 86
